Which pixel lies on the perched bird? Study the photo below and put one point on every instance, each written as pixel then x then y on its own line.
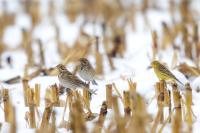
pixel 86 71
pixel 162 72
pixel 68 80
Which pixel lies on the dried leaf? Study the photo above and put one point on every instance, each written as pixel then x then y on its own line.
pixel 13 80
pixel 189 70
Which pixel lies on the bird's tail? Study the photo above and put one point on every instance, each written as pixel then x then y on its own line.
pixel 94 82
pixel 92 91
pixel 180 82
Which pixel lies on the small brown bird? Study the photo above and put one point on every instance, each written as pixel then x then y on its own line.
pixel 68 80
pixel 86 71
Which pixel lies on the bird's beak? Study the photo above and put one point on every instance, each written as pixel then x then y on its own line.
pixel 56 67
pixel 149 67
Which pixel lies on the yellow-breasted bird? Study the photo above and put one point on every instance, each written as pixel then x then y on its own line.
pixel 163 73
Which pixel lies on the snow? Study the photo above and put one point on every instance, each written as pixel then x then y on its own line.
pixel 133 65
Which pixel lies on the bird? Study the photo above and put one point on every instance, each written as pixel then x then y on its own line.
pixel 86 71
pixel 162 72
pixel 68 80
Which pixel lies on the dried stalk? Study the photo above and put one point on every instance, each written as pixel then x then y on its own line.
pixel 109 95
pixel 165 123
pixel 177 117
pixel 12 117
pixel 52 96
pixel 133 95
pixel 53 125
pixel 86 97
pixel 42 59
pixel 37 95
pixel 31 108
pixel 170 106
pixel 25 88
pixel 188 46
pixel 1 48
pixel 6 102
pixel 111 62
pixel 138 122
pixel 120 123
pixel 35 12
pixel 156 121
pixel 45 118
pixel 33 74
pixel 197 43
pixel 9 111
pixel 26 71
pixel 188 97
pixel 102 115
pixel 155 44
pixel 27 36
pixel 117 91
pixel 160 100
pixel 99 59
pixel 127 108
pixel 68 99
pixel 55 95
pixel 77 120
pixel 99 63
pixel 167 39
pixel 29 53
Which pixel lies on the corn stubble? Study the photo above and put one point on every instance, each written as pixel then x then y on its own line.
pixel 134 119
pixel 77 107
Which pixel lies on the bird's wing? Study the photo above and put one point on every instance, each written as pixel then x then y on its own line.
pixel 92 69
pixel 75 80
pixel 166 72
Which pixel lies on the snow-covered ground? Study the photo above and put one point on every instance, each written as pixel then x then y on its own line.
pixel 133 65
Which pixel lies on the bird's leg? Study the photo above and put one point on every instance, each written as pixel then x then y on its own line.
pixel 94 82
pixel 68 91
pixel 61 89
pixel 90 93
pixel 90 96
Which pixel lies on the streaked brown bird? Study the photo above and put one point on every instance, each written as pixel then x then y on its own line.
pixel 68 80
pixel 86 71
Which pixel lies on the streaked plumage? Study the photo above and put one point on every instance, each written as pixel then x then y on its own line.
pixel 162 72
pixel 68 80
pixel 86 71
